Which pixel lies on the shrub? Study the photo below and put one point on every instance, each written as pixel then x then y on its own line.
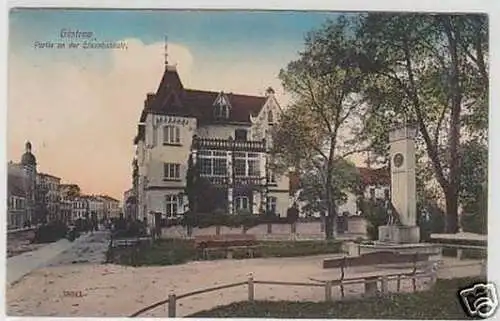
pixel 50 232
pixel 375 214
pixel 132 229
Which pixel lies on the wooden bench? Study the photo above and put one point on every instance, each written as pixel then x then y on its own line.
pixel 228 243
pixel 126 242
pixel 371 278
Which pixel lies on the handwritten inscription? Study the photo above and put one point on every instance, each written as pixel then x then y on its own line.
pixel 73 293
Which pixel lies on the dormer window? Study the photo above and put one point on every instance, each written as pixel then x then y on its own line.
pixel 221 107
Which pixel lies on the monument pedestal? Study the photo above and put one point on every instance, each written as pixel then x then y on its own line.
pixel 401 240
pixel 399 234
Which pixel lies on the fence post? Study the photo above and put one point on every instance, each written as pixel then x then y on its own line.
pixel 217 230
pixel 399 283
pixel 328 291
pixel 385 284
pixel 414 276
pixel 171 305
pixel 251 293
pixel 484 268
pixel 269 228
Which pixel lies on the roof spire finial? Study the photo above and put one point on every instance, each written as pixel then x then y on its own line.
pixel 166 50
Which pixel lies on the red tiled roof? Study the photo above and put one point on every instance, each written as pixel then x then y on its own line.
pixel 369 176
pixel 374 176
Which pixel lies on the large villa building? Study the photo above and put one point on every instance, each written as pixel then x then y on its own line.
pixel 226 135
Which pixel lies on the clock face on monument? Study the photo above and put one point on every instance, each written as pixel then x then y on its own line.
pixel 398 160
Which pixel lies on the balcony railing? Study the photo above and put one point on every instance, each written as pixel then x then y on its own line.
pixel 229 144
pixel 238 180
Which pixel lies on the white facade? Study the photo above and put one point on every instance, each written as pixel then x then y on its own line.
pixel 80 208
pixel 166 140
pixel 96 208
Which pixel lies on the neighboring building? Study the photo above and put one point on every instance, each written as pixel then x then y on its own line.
pixel 111 206
pixel 130 203
pixel 28 163
pixel 17 214
pixel 48 196
pixel 66 210
pixel 69 190
pixel 80 208
pixel 96 207
pixel 226 134
pixel 375 184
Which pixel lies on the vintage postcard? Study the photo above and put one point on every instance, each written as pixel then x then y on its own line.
pixel 247 163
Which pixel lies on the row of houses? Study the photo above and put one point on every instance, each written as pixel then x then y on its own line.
pixel 227 136
pixel 35 197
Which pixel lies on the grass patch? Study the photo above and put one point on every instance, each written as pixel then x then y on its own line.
pixel 470 254
pixel 170 251
pixel 161 252
pixel 439 303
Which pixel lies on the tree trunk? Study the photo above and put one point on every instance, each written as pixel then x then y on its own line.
pixel 331 215
pixel 452 212
pixel 454 132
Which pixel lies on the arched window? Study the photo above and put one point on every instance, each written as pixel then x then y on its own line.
pixel 270 117
pixel 222 111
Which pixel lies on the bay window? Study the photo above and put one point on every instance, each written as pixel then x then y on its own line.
pixel 213 163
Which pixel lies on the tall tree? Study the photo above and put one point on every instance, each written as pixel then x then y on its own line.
pixel 323 119
pixel 432 70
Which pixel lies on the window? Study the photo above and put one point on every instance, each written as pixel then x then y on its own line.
pixel 271 204
pixel 171 135
pixel 221 111
pixel 172 204
pixel 271 179
pixel 171 171
pixel 246 164
pixel 241 203
pixel 240 134
pixel 213 163
pixel 270 117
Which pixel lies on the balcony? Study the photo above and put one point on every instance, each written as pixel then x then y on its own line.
pixel 229 144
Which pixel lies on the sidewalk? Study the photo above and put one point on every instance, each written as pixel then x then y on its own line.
pixel 20 265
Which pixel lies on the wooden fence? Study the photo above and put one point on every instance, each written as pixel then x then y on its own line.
pixel 172 299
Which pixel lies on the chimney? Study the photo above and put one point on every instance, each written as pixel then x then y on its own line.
pixel 149 100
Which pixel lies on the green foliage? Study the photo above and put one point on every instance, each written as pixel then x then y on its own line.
pixel 50 232
pixel 375 214
pixel 474 188
pixel 160 253
pixel 344 178
pixel 431 70
pixel 170 252
pixel 245 219
pixel 132 228
pixel 441 302
pixel 320 127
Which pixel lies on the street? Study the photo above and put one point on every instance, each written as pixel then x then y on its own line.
pixel 91 249
pixel 88 248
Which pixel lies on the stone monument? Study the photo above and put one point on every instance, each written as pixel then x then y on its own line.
pixel 403 189
pixel 401 234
